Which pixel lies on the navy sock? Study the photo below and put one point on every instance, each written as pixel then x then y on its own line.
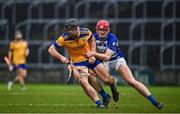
pixel 103 94
pixel 99 102
pixel 152 99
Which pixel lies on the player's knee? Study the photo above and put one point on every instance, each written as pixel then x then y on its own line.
pixel 109 80
pixel 82 81
pixel 92 79
pixel 92 74
pixel 20 77
pixel 22 73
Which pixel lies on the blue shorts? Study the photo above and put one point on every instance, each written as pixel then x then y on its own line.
pixel 21 66
pixel 87 64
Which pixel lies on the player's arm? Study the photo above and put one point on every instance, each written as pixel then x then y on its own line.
pixel 109 51
pixel 10 53
pixel 27 50
pixel 8 59
pixel 92 43
pixel 52 50
pixel 106 56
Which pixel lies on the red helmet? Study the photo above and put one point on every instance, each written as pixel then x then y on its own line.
pixel 102 24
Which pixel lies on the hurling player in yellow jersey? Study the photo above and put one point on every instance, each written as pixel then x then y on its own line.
pixel 78 41
pixel 18 51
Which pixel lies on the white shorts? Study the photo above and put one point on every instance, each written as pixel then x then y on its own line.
pixel 114 64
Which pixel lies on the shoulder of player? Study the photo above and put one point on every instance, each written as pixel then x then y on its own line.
pixel 85 31
pixel 12 42
pixel 23 40
pixel 112 36
pixel 64 36
pixel 95 35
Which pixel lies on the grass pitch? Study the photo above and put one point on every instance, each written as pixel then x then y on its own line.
pixel 52 98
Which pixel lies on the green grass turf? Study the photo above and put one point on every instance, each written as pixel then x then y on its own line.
pixel 71 98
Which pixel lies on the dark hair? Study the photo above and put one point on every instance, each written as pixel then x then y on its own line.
pixel 71 23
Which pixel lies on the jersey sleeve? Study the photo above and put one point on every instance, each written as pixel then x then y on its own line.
pixel 93 37
pixel 59 42
pixel 90 35
pixel 113 44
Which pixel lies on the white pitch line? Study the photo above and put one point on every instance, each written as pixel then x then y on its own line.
pixel 34 94
pixel 46 104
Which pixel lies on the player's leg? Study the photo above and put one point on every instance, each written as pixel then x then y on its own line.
pixel 21 74
pixel 103 74
pixel 115 93
pixel 21 77
pixel 126 73
pixel 12 78
pixel 98 87
pixel 90 91
pixel 128 77
pixel 81 74
pixel 10 85
pixel 10 82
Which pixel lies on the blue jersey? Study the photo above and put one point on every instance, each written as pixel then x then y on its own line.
pixel 111 42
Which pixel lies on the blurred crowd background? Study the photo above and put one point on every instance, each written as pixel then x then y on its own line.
pixel 148 32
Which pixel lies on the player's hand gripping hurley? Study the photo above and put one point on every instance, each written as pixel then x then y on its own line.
pixel 70 67
pixel 8 62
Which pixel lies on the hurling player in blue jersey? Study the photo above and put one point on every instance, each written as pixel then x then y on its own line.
pixel 107 49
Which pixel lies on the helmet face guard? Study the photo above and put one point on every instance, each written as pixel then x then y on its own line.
pixel 71 23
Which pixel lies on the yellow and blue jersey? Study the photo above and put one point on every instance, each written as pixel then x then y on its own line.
pixel 76 47
pixel 19 51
